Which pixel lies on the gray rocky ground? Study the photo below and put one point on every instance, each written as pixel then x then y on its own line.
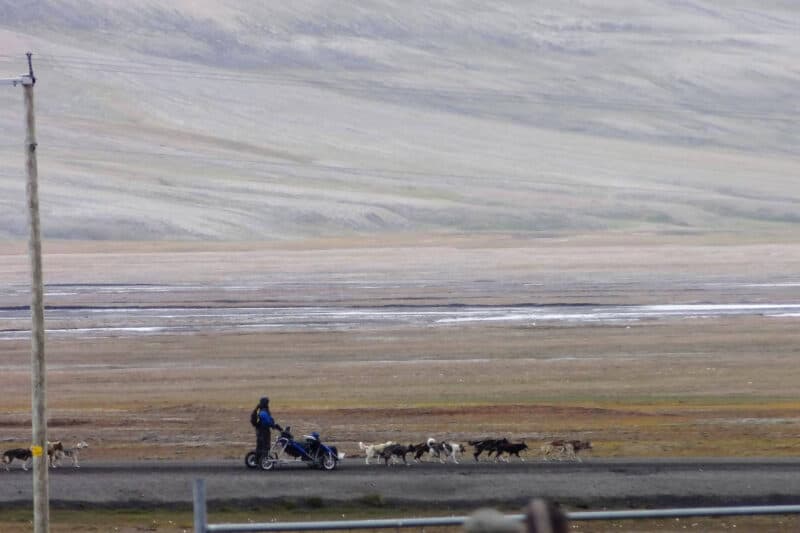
pixel 592 484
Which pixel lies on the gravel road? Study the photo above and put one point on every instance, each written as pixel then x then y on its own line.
pixel 592 484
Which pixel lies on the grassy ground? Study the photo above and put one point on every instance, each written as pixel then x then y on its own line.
pixel 726 388
pixel 129 521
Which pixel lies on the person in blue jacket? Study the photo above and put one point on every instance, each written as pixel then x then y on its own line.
pixel 262 419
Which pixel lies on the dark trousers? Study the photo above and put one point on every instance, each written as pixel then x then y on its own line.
pixel 263 441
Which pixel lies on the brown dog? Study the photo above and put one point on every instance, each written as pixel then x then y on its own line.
pixel 561 449
pixel 53 451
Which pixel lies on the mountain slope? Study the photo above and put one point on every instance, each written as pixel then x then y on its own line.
pixel 220 120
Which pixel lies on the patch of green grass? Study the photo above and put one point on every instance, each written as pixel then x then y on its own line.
pixel 372 500
pixel 168 521
pixel 314 502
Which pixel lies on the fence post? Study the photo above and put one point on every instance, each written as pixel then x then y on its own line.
pixel 200 517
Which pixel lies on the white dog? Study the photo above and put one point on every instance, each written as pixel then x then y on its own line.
pixel 72 453
pixel 373 451
pixel 444 450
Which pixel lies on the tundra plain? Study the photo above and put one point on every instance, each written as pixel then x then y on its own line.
pixel 715 386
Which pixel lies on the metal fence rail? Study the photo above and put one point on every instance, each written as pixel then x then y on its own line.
pixel 202 526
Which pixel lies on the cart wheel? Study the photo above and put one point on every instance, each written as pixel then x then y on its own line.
pixel 268 462
pixel 250 460
pixel 328 462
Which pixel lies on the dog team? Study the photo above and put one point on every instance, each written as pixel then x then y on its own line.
pixel 55 453
pixel 392 452
pixel 388 452
pixel 395 452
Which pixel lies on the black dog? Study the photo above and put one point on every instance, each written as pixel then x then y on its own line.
pixel 511 448
pixel 21 454
pixel 487 445
pixel 396 450
pixel 418 450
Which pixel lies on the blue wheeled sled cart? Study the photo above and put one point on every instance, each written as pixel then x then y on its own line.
pixel 287 450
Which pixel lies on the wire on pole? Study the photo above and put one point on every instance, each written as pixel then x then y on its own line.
pixel 30 68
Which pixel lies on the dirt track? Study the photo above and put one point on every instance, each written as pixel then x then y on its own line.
pixel 594 484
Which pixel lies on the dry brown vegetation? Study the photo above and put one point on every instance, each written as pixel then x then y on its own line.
pixel 705 387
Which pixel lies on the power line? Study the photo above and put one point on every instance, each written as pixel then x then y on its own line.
pixel 274 166
pixel 446 94
pixel 350 171
pixel 385 172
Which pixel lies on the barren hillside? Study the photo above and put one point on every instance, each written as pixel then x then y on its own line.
pixel 276 120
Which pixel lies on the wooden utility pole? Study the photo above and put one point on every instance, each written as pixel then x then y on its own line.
pixel 41 500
